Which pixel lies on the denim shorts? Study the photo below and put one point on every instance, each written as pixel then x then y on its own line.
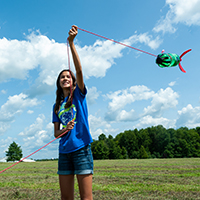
pixel 78 162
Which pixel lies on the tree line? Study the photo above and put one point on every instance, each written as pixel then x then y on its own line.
pixel 151 142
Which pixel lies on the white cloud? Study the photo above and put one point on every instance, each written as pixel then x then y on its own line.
pixel 147 40
pixel 172 83
pixel 16 58
pixel 14 106
pixel 99 126
pixel 37 136
pixel 127 116
pixel 180 11
pixel 189 117
pixel 4 144
pixel 3 91
pixel 92 95
pixel 50 126
pixel 30 111
pixel 148 121
pixel 50 57
pixel 121 98
pixel 162 100
pixel 34 128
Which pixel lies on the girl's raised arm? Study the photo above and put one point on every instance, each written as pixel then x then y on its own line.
pixel 77 63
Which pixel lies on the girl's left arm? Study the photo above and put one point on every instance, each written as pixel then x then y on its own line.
pixel 77 63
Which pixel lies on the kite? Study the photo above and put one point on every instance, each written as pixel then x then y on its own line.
pixel 170 60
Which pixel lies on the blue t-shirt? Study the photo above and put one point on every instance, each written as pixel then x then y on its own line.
pixel 80 135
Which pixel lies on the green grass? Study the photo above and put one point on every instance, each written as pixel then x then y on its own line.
pixel 113 179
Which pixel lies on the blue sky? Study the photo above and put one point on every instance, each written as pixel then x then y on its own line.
pixel 126 89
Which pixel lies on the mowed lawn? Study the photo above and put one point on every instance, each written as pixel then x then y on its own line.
pixel 113 179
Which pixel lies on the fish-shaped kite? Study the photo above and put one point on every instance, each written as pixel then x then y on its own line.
pixel 170 60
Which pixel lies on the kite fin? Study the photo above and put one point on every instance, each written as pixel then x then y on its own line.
pixel 185 53
pixel 180 67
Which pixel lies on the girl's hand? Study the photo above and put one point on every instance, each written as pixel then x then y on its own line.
pixel 72 33
pixel 70 125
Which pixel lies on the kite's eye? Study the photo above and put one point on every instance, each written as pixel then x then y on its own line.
pixel 163 59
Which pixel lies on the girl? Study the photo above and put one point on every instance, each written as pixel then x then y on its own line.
pixel 70 110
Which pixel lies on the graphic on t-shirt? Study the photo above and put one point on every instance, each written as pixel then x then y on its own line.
pixel 65 114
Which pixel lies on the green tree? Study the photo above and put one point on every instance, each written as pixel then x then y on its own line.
pixel 102 137
pixel 128 140
pixel 14 152
pixel 143 153
pixel 101 150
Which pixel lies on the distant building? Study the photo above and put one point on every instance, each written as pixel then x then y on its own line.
pixel 28 160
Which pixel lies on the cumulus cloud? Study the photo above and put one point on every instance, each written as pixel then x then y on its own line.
pixel 146 39
pixel 4 144
pixel 172 83
pixel 37 135
pixel 50 57
pixel 162 100
pixel 148 121
pixel 99 126
pixel 16 57
pixel 19 57
pixel 92 95
pixel 180 11
pixel 30 111
pixel 3 91
pixel 14 106
pixel 33 128
pixel 121 98
pixel 189 117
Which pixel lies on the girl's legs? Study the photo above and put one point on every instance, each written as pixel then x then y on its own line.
pixel 66 187
pixel 85 186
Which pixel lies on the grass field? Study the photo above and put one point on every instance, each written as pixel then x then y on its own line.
pixel 113 179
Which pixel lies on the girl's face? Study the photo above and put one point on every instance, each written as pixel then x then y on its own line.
pixel 65 80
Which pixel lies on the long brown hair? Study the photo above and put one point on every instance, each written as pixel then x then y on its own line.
pixel 59 91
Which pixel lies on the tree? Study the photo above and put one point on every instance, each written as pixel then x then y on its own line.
pixel 101 150
pixel 102 137
pixel 14 152
pixel 143 153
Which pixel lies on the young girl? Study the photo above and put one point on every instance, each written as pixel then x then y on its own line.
pixel 70 110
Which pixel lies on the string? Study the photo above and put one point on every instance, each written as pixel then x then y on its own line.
pixel 35 151
pixel 60 134
pixel 117 42
pixel 70 77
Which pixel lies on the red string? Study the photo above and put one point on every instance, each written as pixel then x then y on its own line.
pixel 35 151
pixel 70 78
pixel 117 42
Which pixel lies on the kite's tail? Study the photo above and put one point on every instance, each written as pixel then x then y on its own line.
pixel 180 67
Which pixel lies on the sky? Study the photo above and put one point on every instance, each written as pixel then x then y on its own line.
pixel 126 89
